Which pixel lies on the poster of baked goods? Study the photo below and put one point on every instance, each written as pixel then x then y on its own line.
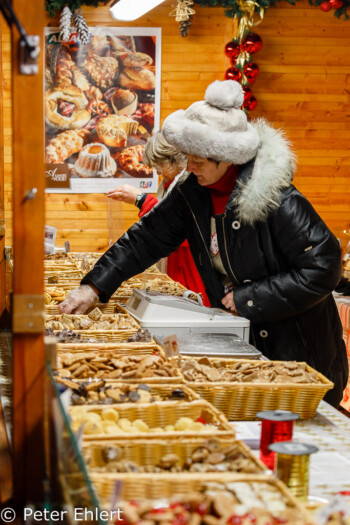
pixel 102 103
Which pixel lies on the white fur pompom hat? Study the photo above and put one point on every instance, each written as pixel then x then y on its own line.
pixel 214 128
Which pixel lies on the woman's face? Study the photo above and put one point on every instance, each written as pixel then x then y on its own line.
pixel 168 170
pixel 206 171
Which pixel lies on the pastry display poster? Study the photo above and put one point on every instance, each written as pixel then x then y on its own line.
pixel 102 103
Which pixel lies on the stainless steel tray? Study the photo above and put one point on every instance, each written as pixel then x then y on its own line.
pixel 214 345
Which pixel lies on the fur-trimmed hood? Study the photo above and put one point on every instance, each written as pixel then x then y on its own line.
pixel 259 187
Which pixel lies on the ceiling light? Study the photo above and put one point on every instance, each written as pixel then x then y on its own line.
pixel 127 10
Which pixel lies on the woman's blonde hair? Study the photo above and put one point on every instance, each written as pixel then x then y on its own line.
pixel 159 152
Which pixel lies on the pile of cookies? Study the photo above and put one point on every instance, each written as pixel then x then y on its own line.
pixel 109 365
pixel 211 456
pixel 108 421
pixel 95 320
pixel 204 369
pixel 54 296
pixel 100 392
pixel 233 503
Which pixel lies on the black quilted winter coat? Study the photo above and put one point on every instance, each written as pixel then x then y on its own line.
pixel 282 259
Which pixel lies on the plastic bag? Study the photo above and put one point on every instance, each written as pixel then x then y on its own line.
pixel 115 220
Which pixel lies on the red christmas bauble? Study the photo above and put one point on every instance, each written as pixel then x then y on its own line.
pixel 232 73
pixel 326 6
pixel 232 49
pixel 247 92
pixel 250 103
pixel 233 60
pixel 336 4
pixel 252 43
pixel 251 70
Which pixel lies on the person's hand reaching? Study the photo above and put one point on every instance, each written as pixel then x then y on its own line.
pixel 124 193
pixel 78 300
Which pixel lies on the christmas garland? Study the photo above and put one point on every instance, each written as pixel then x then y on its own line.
pixel 233 9
pixel 58 5
pixel 240 49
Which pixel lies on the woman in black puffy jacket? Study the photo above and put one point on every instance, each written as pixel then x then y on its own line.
pixel 261 249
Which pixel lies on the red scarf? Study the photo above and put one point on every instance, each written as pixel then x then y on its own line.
pixel 221 190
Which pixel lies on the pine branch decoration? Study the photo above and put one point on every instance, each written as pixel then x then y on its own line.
pixel 57 5
pixel 232 7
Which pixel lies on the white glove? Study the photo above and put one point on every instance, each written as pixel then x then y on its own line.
pixel 78 300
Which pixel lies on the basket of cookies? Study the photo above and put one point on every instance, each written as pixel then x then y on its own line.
pixel 147 347
pixel 149 420
pixel 242 387
pixel 203 499
pixel 111 366
pixel 78 337
pixel 60 264
pixel 99 391
pixel 55 295
pixel 113 327
pixel 159 457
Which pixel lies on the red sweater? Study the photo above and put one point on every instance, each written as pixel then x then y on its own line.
pixel 221 190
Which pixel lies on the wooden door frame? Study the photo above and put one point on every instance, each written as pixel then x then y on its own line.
pixel 2 183
pixel 28 248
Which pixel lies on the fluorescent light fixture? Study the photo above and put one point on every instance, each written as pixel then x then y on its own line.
pixel 127 10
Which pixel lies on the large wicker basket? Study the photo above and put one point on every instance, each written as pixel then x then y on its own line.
pixel 118 348
pixel 112 307
pixel 141 486
pixel 108 336
pixel 147 453
pixel 161 380
pixel 162 391
pixel 65 280
pixel 59 265
pixel 123 314
pixel 241 401
pixel 104 336
pixel 160 415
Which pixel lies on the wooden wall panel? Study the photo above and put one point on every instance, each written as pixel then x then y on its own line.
pixel 303 87
pixel 7 127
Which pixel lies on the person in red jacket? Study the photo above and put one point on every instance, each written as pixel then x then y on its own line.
pixel 170 164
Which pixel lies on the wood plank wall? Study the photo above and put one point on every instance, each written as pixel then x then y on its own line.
pixel 303 87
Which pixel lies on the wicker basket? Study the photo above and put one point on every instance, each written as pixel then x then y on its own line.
pixel 159 415
pixel 241 401
pixel 64 280
pixel 58 263
pixel 71 278
pixel 153 380
pixel 141 486
pixel 123 314
pixel 112 307
pixel 106 336
pixel 118 348
pixel 147 453
pixel 158 390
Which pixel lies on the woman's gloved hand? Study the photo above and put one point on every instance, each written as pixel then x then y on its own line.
pixel 78 300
